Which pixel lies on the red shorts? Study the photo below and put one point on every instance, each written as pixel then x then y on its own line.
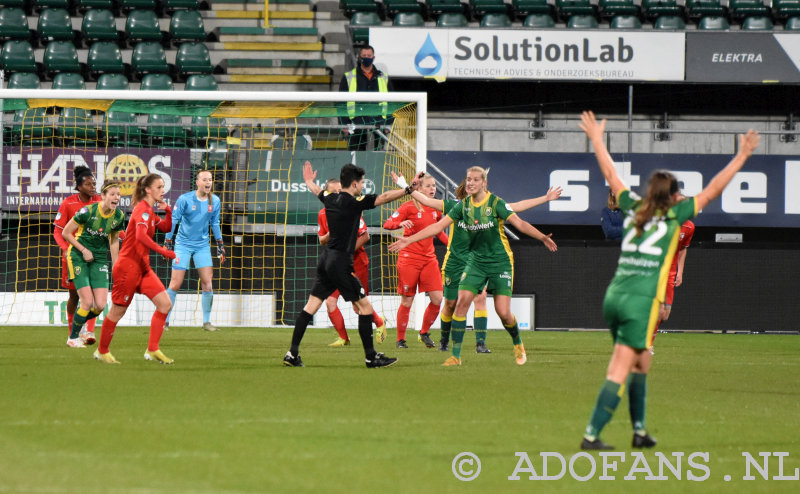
pixel 129 279
pixel 416 275
pixel 362 273
pixel 65 281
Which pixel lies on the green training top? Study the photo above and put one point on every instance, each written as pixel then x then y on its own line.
pixel 94 229
pixel 483 223
pixel 645 259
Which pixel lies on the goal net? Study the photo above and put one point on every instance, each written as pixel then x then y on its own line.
pixel 254 143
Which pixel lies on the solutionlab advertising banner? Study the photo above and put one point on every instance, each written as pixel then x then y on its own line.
pixel 556 54
pixel 743 57
pixel 40 180
pixel 763 194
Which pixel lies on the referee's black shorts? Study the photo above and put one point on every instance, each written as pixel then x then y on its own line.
pixel 335 272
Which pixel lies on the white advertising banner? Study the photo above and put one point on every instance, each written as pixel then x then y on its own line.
pixel 558 54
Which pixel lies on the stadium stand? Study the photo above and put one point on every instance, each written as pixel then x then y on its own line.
pixel 408 19
pixel 105 57
pixel 697 9
pixel 142 25
pixel 537 21
pixel 186 25
pixel 569 8
pixel 394 7
pixel 523 8
pixel 713 23
pixel 625 22
pixel 99 25
pixel 580 21
pixel 112 81
pixel 652 9
pixel 18 56
pixel 452 20
pixel 149 57
pixel 495 20
pixel 14 25
pixel 156 82
pixel 23 80
pixel 83 6
pixel 61 56
pixel 757 23
pixel 193 58
pixel 55 25
pixel 360 22
pixel 439 7
pixel 673 22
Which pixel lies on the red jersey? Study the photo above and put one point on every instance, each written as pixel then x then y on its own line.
pixel 136 248
pixel 421 218
pixel 687 231
pixel 360 256
pixel 66 211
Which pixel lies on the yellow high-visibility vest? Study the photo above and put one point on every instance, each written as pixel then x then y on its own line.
pixel 352 86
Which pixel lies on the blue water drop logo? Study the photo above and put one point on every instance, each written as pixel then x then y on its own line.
pixel 428 60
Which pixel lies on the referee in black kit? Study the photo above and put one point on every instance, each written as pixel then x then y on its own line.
pixel 335 264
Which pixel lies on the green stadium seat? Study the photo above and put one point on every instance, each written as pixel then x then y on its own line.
pixel 784 9
pixel 524 8
pixel 494 20
pixel 113 81
pixel 695 9
pixel 105 57
pixel 156 82
pixel 99 25
pixel 610 8
pixel 61 56
pixel 792 24
pixel 757 23
pixel 129 5
pixel 18 56
pixel 741 9
pixel 582 22
pixel 451 19
pixel 176 5
pixel 481 8
pixel 68 80
pixel 625 22
pixel 438 7
pixel 408 19
pixel 25 5
pixel 652 9
pixel 187 25
pixel 205 128
pixel 713 23
pixel 121 129
pixel 32 127
pixel 394 7
pixel 201 82
pixel 55 25
pixel 40 5
pixel 193 58
pixel 359 23
pixel 14 24
pixel 86 5
pixel 539 21
pixel 142 25
pixel 669 22
pixel 165 130
pixel 350 7
pixel 23 80
pixel 149 56
pixel 568 8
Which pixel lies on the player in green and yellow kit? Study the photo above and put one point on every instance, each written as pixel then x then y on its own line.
pixel 649 239
pixel 490 263
pixel 92 234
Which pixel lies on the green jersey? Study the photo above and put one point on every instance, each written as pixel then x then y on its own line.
pixel 483 224
pixel 94 229
pixel 645 259
pixel 458 243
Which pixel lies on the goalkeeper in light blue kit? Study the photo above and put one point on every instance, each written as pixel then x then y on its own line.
pixel 192 216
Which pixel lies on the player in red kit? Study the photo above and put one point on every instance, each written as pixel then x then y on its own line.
pixel 417 267
pixel 87 194
pixel 675 277
pixel 132 273
pixel 361 266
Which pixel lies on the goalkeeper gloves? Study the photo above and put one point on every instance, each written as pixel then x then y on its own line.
pixel 221 251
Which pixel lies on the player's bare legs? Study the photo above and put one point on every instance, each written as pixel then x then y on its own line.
pixel 502 305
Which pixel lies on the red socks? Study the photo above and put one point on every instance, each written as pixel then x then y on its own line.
pixel 338 323
pixel 431 313
pixel 402 321
pixel 376 319
pixel 70 317
pixel 106 333
pixel 156 329
pixel 90 324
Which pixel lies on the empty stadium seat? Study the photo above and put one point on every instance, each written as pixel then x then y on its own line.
pixel 55 24
pixel 68 80
pixel 651 9
pixel 86 5
pixel 408 19
pixel 611 8
pixel 142 25
pixel 61 56
pixel 17 4
pixel 713 23
pixel 75 125
pixel 121 129
pixel 792 24
pixel 359 22
pixel 394 7
pixel 113 81
pixel 99 25
pixel 129 5
pixel 451 19
pixel 538 21
pixel 741 9
pixel 32 127
pixel 14 24
pixel 696 9
pixel 493 20
pixel 40 5
pixel 156 82
pixel 524 8
pixel 482 8
pixel 175 5
pixel 18 56
pixel 784 9
pixel 149 56
pixel 669 22
pixel 201 82
pixel 757 23
pixel 105 57
pixel 166 130
pixel 23 80
pixel 568 8
pixel 625 22
pixel 187 25
pixel 582 22
pixel 193 58
pixel 437 7
pixel 350 7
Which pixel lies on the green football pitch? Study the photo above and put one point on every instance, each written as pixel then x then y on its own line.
pixel 228 417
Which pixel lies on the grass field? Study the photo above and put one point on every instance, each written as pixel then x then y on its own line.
pixel 229 418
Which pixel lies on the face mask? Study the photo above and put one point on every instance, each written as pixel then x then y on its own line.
pixel 366 62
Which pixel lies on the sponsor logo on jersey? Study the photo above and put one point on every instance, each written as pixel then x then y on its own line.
pixel 103 268
pixel 127 297
pixel 77 270
pixel 487 211
pixel 210 208
pixel 447 280
pixel 83 210
pixel 177 260
pixel 58 216
pixel 395 215
pixel 145 216
pixel 419 215
pixel 194 207
pixel 509 208
pixel 463 275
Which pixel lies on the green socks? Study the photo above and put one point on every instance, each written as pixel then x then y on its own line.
pixel 458 327
pixel 80 318
pixel 513 330
pixel 481 322
pixel 637 395
pixel 607 402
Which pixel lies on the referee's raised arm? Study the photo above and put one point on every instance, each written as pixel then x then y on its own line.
pixel 392 195
pixel 308 176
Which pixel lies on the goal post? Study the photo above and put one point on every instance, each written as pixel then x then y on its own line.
pixel 255 144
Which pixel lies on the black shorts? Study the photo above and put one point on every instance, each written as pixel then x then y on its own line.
pixel 335 272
